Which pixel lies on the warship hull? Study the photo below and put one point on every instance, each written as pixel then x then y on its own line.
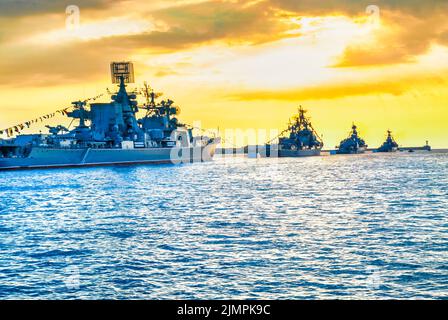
pixel 298 153
pixel 352 151
pixel 388 150
pixel 40 158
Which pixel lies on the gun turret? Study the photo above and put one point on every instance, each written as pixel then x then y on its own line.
pixel 57 129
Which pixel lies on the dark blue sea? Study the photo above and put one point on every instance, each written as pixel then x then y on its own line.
pixel 371 226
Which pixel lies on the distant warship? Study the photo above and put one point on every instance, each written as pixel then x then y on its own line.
pixel 302 140
pixel 110 134
pixel 389 145
pixel 353 144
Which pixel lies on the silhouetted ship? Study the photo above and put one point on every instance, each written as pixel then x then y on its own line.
pixel 302 140
pixel 390 145
pixel 110 134
pixel 353 144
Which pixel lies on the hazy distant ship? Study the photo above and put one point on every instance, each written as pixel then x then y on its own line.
pixel 426 147
pixel 302 140
pixel 353 144
pixel 390 145
pixel 114 135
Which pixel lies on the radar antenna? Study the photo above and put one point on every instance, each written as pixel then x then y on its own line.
pixel 150 96
pixel 122 71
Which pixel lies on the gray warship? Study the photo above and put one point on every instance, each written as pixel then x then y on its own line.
pixel 302 140
pixel 353 144
pixel 390 145
pixel 111 134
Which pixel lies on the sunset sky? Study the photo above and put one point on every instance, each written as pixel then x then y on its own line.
pixel 239 64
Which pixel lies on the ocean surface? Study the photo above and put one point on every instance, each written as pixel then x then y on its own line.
pixel 371 226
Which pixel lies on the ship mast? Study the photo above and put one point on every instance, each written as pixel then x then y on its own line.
pixel 307 123
pixel 150 97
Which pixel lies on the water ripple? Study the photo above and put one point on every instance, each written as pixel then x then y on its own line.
pixel 368 226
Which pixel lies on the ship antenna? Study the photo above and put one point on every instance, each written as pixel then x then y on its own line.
pixel 146 92
pixel 150 96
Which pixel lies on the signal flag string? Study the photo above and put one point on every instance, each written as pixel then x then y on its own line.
pixel 11 131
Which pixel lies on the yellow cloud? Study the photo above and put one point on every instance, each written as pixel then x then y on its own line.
pixel 240 63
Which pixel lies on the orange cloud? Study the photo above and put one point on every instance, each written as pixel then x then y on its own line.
pixel 410 28
pixel 394 87
pixel 10 8
pixel 402 39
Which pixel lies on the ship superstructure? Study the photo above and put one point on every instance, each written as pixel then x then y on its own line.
pixel 390 145
pixel 302 139
pixel 111 133
pixel 353 144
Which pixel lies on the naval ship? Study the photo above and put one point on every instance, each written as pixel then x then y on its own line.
pixel 302 140
pixel 390 145
pixel 111 134
pixel 353 144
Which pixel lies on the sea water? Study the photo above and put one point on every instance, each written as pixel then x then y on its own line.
pixel 346 227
